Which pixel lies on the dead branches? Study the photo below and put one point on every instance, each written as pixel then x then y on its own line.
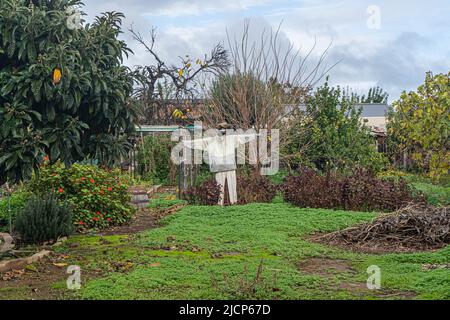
pixel 416 227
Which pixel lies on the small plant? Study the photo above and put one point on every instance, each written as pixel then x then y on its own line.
pixel 44 219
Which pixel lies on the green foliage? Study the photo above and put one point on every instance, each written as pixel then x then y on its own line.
pixel 336 137
pixel 99 198
pixel 44 218
pixel 375 95
pixel 17 200
pixel 154 163
pixel 88 114
pixel 437 193
pixel 419 125
pixel 206 252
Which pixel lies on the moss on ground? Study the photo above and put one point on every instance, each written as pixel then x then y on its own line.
pixel 215 253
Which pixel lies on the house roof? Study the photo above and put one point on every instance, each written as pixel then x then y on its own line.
pixel 374 110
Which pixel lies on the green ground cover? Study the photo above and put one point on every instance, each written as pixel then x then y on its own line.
pixel 215 253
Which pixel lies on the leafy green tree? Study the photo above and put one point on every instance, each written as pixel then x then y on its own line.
pixel 337 138
pixel 419 125
pixel 64 90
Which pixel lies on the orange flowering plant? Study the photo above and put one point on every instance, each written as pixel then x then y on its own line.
pixel 100 198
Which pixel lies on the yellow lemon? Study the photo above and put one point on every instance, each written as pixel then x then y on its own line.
pixel 57 76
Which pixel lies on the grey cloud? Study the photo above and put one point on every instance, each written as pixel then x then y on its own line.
pixel 396 65
pixel 397 57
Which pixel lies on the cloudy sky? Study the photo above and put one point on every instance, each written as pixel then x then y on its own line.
pixel 391 43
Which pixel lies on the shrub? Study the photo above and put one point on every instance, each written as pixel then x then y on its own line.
pixel 255 188
pixel 363 191
pixel 44 218
pixel 312 190
pixel 100 198
pixel 360 191
pixel 250 189
pixel 206 193
pixel 17 200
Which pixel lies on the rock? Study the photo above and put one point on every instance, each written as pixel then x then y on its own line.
pixel 6 244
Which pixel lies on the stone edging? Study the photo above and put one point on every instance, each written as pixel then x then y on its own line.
pixel 17 264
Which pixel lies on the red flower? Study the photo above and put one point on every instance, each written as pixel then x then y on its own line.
pixel 95 219
pixel 109 189
pixel 92 180
pixel 109 219
pixel 98 212
pixel 83 178
pixel 81 223
pixel 60 190
pixel 46 158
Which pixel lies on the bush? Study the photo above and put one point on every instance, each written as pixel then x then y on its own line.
pixel 311 190
pixel 363 191
pixel 18 200
pixel 100 198
pixel 360 191
pixel 255 189
pixel 44 218
pixel 206 193
pixel 250 189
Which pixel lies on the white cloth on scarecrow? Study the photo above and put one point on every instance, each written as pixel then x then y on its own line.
pixel 221 149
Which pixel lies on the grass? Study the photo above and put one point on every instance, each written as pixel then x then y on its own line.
pixel 437 193
pixel 215 253
pixel 165 201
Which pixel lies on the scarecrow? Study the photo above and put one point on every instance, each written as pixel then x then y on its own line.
pixel 221 149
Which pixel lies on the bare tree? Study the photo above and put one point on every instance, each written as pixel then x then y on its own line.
pixel 266 86
pixel 163 85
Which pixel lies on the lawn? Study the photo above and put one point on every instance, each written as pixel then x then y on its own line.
pixel 215 253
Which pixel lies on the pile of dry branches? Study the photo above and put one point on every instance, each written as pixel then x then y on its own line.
pixel 417 227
